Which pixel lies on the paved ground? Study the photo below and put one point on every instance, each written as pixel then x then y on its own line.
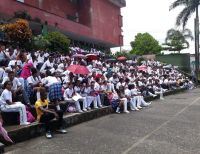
pixel 171 126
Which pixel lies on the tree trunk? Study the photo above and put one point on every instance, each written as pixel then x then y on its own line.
pixel 196 28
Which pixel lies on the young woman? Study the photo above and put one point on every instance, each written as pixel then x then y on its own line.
pixel 45 115
pixel 7 105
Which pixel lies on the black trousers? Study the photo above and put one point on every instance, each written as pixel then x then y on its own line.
pixel 47 117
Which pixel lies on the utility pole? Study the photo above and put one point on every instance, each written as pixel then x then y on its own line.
pixel 196 27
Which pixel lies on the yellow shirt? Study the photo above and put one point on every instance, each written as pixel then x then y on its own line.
pixel 39 104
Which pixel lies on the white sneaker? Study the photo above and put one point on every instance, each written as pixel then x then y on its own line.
pixel 154 95
pixel 100 106
pixel 85 110
pixel 96 107
pixel 89 108
pixel 126 112
pixel 26 123
pixel 80 111
pixel 139 107
pixel 48 135
pixel 117 111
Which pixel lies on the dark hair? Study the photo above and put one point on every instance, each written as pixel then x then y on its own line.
pixel 6 83
pixel 11 72
pixel 33 70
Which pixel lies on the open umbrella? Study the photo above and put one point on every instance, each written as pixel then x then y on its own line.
pixel 78 69
pixel 91 57
pixel 121 58
pixel 79 56
pixel 142 68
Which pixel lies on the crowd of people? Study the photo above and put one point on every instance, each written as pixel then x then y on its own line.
pixel 38 79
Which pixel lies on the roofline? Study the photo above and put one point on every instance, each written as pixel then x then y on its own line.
pixel 119 3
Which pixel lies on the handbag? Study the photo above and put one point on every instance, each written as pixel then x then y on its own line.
pixel 71 108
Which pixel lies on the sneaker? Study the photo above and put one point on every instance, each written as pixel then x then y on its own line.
pixel 118 112
pixel 126 112
pixel 48 135
pixel 95 107
pixel 62 131
pixel 26 123
pixel 85 110
pixel 80 111
pixel 89 108
pixel 154 96
pixel 100 106
pixel 139 107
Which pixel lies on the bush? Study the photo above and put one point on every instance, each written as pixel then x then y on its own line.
pixel 58 41
pixel 19 32
pixel 40 43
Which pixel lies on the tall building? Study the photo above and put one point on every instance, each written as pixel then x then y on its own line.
pixel 93 21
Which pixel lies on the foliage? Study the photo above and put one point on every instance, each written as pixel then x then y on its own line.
pixel 122 54
pixel 40 43
pixel 145 44
pixel 58 41
pixel 22 15
pixel 189 7
pixel 177 40
pixel 139 61
pixel 18 32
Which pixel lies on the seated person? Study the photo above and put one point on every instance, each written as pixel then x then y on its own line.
pixel 16 89
pixel 7 104
pixel 45 115
pixel 68 95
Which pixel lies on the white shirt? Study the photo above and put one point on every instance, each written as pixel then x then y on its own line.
pixel 127 92
pixel 68 93
pixel 31 80
pixel 45 65
pixel 6 95
pixel 50 80
pixel 15 82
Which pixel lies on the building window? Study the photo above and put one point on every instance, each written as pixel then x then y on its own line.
pixel 120 19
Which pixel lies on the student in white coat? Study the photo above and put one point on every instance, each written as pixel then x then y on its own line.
pixel 7 105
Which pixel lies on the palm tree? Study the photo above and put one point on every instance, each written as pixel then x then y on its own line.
pixel 190 6
pixel 177 40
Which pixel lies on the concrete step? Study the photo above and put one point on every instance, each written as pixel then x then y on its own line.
pixel 23 133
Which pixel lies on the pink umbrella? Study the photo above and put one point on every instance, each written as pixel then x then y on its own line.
pixel 79 56
pixel 142 68
pixel 121 58
pixel 78 69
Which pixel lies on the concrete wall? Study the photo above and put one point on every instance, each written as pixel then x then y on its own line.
pixel 181 60
pixel 100 19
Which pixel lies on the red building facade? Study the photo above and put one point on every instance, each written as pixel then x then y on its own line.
pixel 93 21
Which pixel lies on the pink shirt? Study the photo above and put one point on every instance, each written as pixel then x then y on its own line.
pixel 26 72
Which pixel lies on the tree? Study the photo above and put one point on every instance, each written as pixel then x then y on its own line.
pixel 145 44
pixel 58 41
pixel 177 40
pixel 19 32
pixel 189 7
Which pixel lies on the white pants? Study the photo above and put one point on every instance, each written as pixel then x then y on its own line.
pixel 98 100
pixel 125 101
pixel 91 99
pixel 17 107
pixel 84 99
pixel 141 101
pixel 77 104
pixel 133 103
